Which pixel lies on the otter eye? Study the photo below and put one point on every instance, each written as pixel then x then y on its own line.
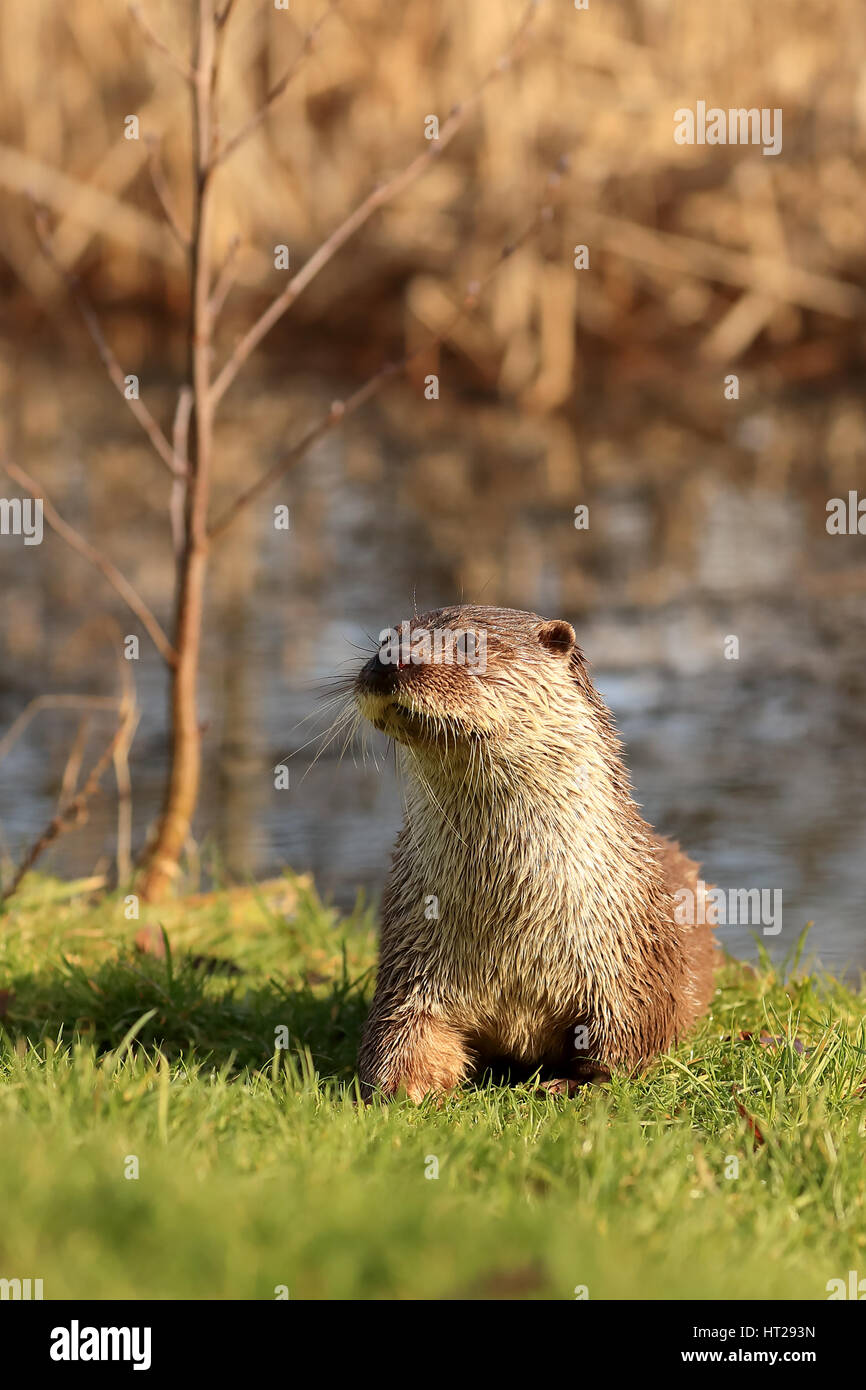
pixel 557 636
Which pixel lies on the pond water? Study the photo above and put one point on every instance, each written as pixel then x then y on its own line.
pixel 696 535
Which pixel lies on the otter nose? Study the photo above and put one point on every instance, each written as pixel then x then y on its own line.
pixel 379 677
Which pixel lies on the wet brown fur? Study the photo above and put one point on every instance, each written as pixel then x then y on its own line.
pixel 554 898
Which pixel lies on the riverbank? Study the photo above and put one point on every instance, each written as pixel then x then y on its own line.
pixel 159 1143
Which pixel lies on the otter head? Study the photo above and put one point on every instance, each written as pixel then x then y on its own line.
pixel 447 680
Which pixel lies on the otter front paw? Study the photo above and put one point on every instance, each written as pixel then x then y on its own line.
pixel 413 1053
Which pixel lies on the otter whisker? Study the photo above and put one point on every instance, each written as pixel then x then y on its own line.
pixel 348 716
pixel 428 787
pixel 293 752
pixel 319 710
pixel 352 726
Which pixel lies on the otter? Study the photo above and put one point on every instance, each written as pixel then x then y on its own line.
pixel 529 911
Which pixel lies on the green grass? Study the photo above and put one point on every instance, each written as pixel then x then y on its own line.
pixel 257 1169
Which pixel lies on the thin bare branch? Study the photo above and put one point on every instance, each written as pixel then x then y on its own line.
pixel 163 192
pixel 182 791
pixel 225 280
pixel 278 88
pixel 180 439
pixel 40 702
pixel 382 194
pixel 69 780
pixel 109 361
pixel 129 712
pixel 74 812
pixel 121 705
pixel 341 410
pixel 162 48
pixel 73 538
pixel 224 14
pixel 218 23
pixel 201 323
pixel 123 781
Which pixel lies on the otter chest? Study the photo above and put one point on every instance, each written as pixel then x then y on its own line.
pixel 511 976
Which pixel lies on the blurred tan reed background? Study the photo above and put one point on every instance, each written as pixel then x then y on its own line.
pixel 716 251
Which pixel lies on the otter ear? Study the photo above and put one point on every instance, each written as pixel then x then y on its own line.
pixel 558 637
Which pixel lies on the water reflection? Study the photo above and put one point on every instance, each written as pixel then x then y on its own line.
pixel 756 764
